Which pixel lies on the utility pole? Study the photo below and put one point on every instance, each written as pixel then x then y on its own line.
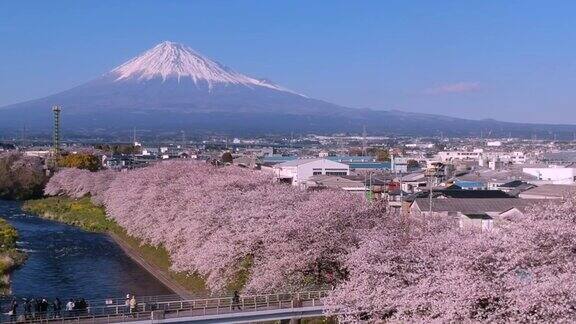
pixel 24 135
pixel 431 173
pixel 401 194
pixel 430 196
pixel 364 141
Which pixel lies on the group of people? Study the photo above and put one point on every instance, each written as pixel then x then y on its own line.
pixel 40 308
pixel 131 304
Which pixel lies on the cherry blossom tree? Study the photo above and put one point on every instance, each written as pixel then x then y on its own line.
pixel 226 223
pixel 238 228
pixel 419 271
pixel 77 183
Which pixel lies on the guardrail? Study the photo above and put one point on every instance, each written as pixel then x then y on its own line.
pixel 180 308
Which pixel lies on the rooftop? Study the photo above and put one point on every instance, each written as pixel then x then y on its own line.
pixel 306 161
pixel 460 194
pixel 474 205
pixel 505 175
pixel 551 191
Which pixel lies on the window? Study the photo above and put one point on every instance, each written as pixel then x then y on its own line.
pixel 336 173
pixel 317 173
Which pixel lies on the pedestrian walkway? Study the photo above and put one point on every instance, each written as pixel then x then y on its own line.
pixel 205 310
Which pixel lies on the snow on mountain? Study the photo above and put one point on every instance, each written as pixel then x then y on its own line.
pixel 171 87
pixel 172 60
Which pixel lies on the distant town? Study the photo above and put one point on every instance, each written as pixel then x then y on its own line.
pixel 476 180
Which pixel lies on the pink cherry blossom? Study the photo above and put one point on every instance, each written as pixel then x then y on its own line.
pixel 222 222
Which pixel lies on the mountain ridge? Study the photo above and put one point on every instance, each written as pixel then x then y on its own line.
pixel 171 86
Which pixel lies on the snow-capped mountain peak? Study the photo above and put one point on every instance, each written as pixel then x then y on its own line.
pixel 172 60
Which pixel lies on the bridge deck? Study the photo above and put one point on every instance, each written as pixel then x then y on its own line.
pixel 208 310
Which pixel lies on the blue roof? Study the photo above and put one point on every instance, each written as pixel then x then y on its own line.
pixel 370 165
pixel 469 184
pixel 342 159
pixel 278 158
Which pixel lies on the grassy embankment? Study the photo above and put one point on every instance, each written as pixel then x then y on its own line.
pixel 10 257
pixel 82 213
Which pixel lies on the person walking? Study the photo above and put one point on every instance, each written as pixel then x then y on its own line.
pixel 70 307
pixel 44 308
pixel 27 307
pixel 236 300
pixel 83 306
pixel 35 307
pixel 133 305
pixel 127 304
pixel 57 307
pixel 13 310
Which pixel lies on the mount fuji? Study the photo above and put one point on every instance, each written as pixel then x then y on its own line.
pixel 172 87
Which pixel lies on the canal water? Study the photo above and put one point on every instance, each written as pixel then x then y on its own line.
pixel 66 262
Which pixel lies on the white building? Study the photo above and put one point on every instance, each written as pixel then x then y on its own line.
pixel 518 157
pixel 148 151
pixel 420 145
pixel 447 156
pixel 553 174
pixel 42 154
pixel 297 172
pixel 399 164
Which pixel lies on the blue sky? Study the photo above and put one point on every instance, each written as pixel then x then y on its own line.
pixel 507 60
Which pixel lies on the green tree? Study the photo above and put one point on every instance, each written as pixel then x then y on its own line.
pixel 21 177
pixel 413 164
pixel 227 157
pixel 382 155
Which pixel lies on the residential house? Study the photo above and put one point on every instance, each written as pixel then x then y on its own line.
pixel 480 213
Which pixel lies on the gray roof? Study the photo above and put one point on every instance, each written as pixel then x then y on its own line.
pixel 473 205
pixel 551 190
pixel 335 181
pixel 416 176
pixel 305 161
pixel 505 175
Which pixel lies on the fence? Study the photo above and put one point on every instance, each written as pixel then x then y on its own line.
pixel 165 307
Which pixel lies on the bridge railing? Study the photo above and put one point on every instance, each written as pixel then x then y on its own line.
pixel 180 308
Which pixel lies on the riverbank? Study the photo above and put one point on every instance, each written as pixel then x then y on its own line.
pixel 10 257
pixel 82 213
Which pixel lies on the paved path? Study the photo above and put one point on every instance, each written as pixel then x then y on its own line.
pixel 248 316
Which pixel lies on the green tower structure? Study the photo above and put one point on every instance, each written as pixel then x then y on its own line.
pixel 56 135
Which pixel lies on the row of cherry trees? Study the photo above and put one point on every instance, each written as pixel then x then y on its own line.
pixel 236 225
pixel 231 225
pixel 408 270
pixel 78 183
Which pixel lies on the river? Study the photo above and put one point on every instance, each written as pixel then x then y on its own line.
pixel 67 262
